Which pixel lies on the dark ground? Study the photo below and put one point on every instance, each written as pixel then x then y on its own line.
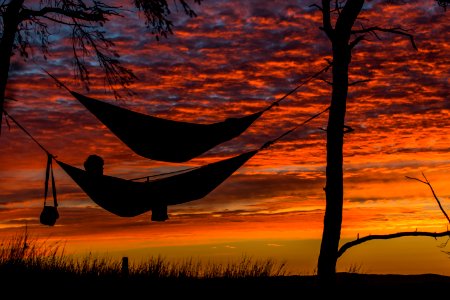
pixel 349 285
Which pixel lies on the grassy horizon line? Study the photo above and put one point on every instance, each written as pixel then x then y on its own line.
pixel 23 253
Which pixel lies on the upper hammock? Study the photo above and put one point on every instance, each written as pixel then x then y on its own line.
pixel 162 139
pixel 128 198
pixel 168 140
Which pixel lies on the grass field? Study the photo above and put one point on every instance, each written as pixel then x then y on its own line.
pixel 29 268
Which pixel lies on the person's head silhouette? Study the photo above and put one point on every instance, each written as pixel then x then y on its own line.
pixel 94 165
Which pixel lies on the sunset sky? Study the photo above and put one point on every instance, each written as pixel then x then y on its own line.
pixel 233 59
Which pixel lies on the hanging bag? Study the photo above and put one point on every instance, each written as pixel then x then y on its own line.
pixel 49 214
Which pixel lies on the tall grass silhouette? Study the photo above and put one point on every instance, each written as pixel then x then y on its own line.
pixel 30 267
pixel 25 254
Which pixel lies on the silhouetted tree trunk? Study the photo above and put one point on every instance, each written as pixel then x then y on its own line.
pixel 334 189
pixel 342 45
pixel 10 22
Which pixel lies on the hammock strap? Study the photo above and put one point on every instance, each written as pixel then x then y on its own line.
pixel 266 145
pixel 275 103
pixel 308 79
pixel 50 157
pixel 27 133
pixel 55 201
pixel 57 81
pixel 47 175
pixel 48 172
pixel 269 143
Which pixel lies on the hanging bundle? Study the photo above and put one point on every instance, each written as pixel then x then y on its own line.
pixel 49 214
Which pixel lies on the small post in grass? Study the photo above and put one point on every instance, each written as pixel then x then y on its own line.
pixel 125 269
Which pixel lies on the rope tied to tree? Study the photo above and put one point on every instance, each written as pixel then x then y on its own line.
pixel 28 133
pixel 307 80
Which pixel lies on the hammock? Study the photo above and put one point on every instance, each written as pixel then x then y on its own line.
pixel 162 139
pixel 168 140
pixel 127 198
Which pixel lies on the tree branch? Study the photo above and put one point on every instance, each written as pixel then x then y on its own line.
pixel 85 19
pixel 348 245
pixel 432 191
pixel 60 21
pixel 396 30
pixel 359 82
pixel 337 7
pixel 356 41
pixel 347 18
pixel 348 129
pixel 95 14
pixel 87 41
pixel 358 241
pixel 317 6
pixel 326 19
pixel 187 9
pixel 326 81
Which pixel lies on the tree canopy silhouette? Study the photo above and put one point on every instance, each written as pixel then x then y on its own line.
pixel 25 26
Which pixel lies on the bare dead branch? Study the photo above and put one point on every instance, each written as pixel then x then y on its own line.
pixel 432 191
pixel 61 21
pixel 443 3
pixel 356 41
pixel 396 30
pixel 359 82
pixel 92 14
pixel 317 6
pixel 337 7
pixel 348 129
pixel 359 241
pixel 326 81
pixel 444 244
pixel 374 33
pixel 187 9
pixel 347 18
pixel 326 19
pixel 10 98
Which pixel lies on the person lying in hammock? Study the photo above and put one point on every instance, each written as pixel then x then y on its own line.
pixel 94 166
